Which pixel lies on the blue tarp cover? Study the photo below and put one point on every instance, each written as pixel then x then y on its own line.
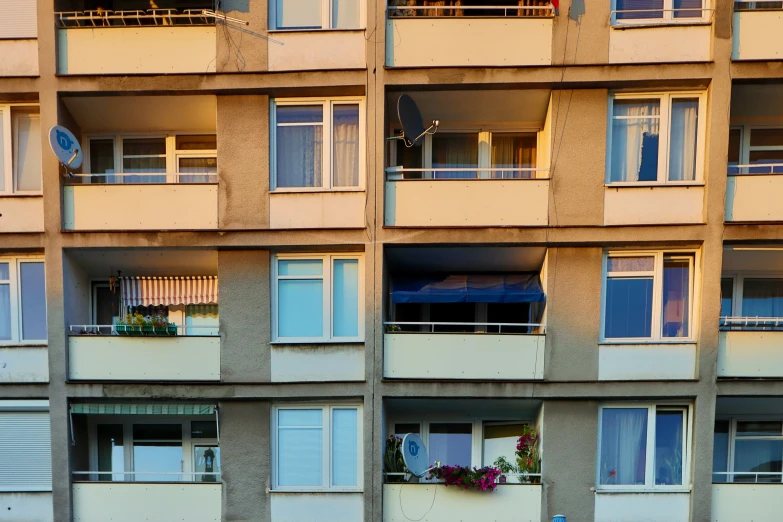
pixel 514 288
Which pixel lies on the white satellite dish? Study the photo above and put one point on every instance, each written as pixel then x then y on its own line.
pixel 66 147
pixel 415 455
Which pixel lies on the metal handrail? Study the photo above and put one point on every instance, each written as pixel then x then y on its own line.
pixel 401 10
pixel 100 329
pixel 400 171
pixel 755 474
pixel 751 322
pixel 497 481
pixel 121 175
pixel 191 474
pixel 737 170
pixel 433 324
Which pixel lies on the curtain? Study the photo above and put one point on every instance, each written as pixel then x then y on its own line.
pixel 145 156
pixel 757 456
pixel 345 137
pixel 623 446
pixel 299 447
pixel 5 309
pixel 207 167
pixel 676 297
pixel 102 161
pixel 513 151
pixel 300 146
pixel 2 156
pixel 345 14
pixel 651 8
pixel 455 151
pixel 28 152
pixel 33 289
pixel 687 8
pixel 345 296
pixel 682 143
pixel 635 128
pixel 762 298
pixel 344 443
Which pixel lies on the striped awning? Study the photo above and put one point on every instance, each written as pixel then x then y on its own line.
pixel 150 291
pixel 143 409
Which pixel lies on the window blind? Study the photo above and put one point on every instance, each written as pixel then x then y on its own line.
pixel 25 451
pixel 18 19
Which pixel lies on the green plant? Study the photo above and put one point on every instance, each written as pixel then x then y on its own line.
pixel 391 328
pixel 480 479
pixel 392 456
pixel 505 466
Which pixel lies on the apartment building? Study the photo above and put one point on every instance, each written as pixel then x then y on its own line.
pixel 250 284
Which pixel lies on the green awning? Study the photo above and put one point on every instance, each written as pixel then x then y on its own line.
pixel 143 409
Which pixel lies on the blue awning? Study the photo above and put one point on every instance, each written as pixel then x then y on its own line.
pixel 515 288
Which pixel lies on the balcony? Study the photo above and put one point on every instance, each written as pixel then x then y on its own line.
pixel 750 192
pixel 468 35
pixel 130 41
pixel 754 22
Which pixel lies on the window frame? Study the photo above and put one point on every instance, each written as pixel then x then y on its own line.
pixel 327 18
pixel 745 148
pixel 15 283
pixel 649 471
pixel 9 146
pixel 328 104
pixel 326 448
pixel 667 19
pixel 737 278
pixel 328 297
pixel 664 123
pixel 732 440
pixel 656 325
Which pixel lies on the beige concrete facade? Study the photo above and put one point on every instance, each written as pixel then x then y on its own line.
pixel 574 225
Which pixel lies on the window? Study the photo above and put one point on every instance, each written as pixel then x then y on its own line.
pixel 453 155
pixel 20 150
pixel 660 11
pixel 22 301
pixel 758 149
pixel 316 14
pixel 496 8
pixel 757 297
pixel 25 446
pixel 317 447
pixel 644 446
pixel 656 138
pixel 318 144
pixel 648 296
pixel 317 298
pixel 748 450
pixel 151 159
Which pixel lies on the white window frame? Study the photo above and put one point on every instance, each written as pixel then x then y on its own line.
pixel 668 16
pixel 188 464
pixel 656 326
pixel 328 295
pixel 738 285
pixel 326 18
pixel 732 436
pixel 9 146
pixel 172 153
pixel 326 449
pixel 649 485
pixel 15 281
pixel 664 125
pixel 328 145
pixel 745 146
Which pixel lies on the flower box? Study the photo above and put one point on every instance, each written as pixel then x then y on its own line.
pixel 128 329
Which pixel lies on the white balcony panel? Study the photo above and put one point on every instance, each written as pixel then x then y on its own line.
pixel 752 198
pixel 317 209
pixel 317 50
pixel 639 362
pixel 21 213
pixel 318 363
pixel 24 364
pixel 747 502
pixel 754 35
pixel 643 507
pixel 479 42
pixel 140 207
pixel 26 507
pixel 137 50
pixel 463 356
pixel 667 205
pixel 20 57
pixel 750 354
pixel 321 507
pixel 467 203
pixel 509 503
pixel 103 501
pixel 664 44
pixel 116 357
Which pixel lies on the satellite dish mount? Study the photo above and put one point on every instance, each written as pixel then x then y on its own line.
pixel 412 125
pixel 66 147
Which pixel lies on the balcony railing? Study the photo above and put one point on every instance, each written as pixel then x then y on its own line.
pixel 135 18
pixel 463 173
pixel 505 478
pixel 747 477
pixel 477 328
pixel 467 11
pixel 142 178
pixel 130 476
pixel 142 331
pixel 751 323
pixel 755 169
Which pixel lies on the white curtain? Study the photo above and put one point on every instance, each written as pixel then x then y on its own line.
pixel 513 151
pixel 457 151
pixel 682 143
pixel 345 138
pixel 623 446
pixel 635 140
pixel 299 156
pixel 27 157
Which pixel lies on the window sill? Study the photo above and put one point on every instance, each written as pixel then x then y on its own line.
pixel 37 344
pixel 315 490
pixel 314 343
pixel 314 190
pixel 668 23
pixel 22 195
pixel 650 184
pixel 315 30
pixel 606 342
pixel 643 490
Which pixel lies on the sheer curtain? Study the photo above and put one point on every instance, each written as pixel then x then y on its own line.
pixel 682 143
pixel 513 151
pixel 144 156
pixel 300 146
pixel 198 170
pixel 650 8
pixel 623 446
pixel 345 138
pixel 635 129
pixel 455 150
pixel 27 157
pixel 762 298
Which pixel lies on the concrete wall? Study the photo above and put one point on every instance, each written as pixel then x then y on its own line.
pixel 317 50
pixel 21 214
pixel 26 507
pixel 317 363
pixel 20 57
pixel 243 49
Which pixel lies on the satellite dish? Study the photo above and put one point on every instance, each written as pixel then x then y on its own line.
pixel 414 453
pixel 66 147
pixel 412 125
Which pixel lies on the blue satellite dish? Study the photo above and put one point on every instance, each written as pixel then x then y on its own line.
pixel 414 453
pixel 66 147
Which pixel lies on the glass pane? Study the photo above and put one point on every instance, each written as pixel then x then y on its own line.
pixel 300 449
pixel 144 147
pixel 455 151
pixel 197 142
pixel 300 308
pixel 152 160
pixel 201 170
pixel 298 13
pixel 501 441
pixel 300 417
pixel 735 141
pixel 300 156
pixel 202 319
pixel 344 447
pixel 726 297
pixel 102 160
pixel 450 443
pixel 300 267
pixel 28 152
pixel 2 155
pixel 720 451
pixel 683 138
pixel 765 157
pixel 346 298
pixel 668 447
pixel 623 458
pixel 33 282
pixel 509 313
pixel 111 456
pixel 345 138
pixel 5 312
pixel 766 138
pixel 464 314
pixel 402 429
pixel 345 14
pixel 203 429
pixel 628 308
pixel 630 264
pixel 107 305
pixel 687 8
pixel 757 456
pixel 762 298
pixel 4 272
pixel 516 151
pixel 207 461
pixel 157 452
pixel 300 114
pixel 676 297
pixel 758 428
pixel 643 8
pixel 635 140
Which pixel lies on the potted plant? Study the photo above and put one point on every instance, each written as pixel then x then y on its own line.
pixel 160 324
pixel 392 328
pixel 528 458
pixel 393 464
pixel 132 324
pixel 505 468
pixel 479 479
